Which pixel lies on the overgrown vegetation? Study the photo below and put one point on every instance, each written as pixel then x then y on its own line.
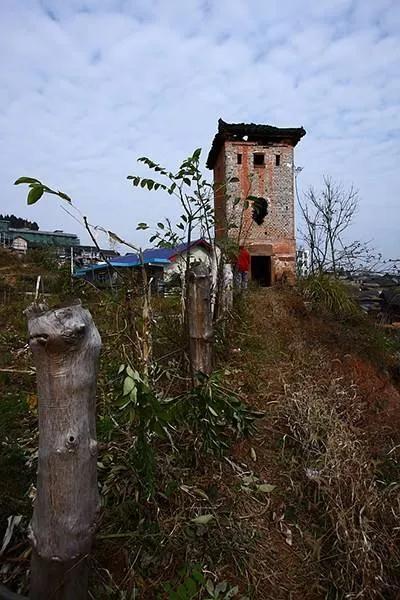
pixel 306 504
pixel 328 293
pixel 338 481
pixel 198 502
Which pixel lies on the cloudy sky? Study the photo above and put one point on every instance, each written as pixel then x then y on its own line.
pixel 87 86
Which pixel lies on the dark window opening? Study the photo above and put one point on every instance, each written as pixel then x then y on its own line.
pixel 277 160
pixel 261 270
pixel 258 160
pixel 239 159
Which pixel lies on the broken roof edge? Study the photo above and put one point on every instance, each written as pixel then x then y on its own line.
pixel 264 133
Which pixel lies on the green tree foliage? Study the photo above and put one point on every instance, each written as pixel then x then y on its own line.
pixel 19 222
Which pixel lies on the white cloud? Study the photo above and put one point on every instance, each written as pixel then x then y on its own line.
pixel 87 86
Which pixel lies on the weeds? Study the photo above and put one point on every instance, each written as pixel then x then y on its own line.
pixel 329 294
pixel 216 413
pixel 358 528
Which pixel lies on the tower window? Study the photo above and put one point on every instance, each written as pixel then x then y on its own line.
pixel 277 160
pixel 258 160
pixel 239 159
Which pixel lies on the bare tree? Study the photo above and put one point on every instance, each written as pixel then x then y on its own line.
pixel 327 215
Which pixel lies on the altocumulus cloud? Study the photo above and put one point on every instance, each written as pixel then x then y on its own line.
pixel 88 86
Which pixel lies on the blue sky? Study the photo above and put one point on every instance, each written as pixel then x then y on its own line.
pixel 86 87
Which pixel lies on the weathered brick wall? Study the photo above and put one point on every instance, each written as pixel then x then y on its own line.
pixel 276 236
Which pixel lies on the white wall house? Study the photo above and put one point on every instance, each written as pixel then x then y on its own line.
pixel 197 253
pixel 20 245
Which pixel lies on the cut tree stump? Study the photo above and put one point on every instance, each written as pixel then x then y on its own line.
pixel 65 345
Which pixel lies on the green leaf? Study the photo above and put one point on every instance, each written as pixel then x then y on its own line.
pixel 221 587
pixel 196 153
pixel 135 179
pixel 198 575
pixel 150 184
pixel 203 519
pixel 180 226
pixel 191 587
pixel 161 225
pixel 133 373
pixel 26 180
pixel 181 591
pixel 142 226
pixel 153 237
pixel 121 368
pixel 114 237
pixel 232 592
pixel 129 384
pixel 130 371
pixel 210 587
pixel 64 197
pixel 133 395
pixel 35 194
pixel 212 411
pixel 266 488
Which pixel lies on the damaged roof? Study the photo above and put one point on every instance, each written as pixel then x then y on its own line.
pixel 256 133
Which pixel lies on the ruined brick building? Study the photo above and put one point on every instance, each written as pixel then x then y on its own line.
pixel 260 159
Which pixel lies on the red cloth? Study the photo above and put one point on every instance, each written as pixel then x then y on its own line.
pixel 243 261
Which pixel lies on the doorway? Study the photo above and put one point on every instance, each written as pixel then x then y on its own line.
pixel 261 270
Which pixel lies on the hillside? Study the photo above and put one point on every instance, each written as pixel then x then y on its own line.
pixel 305 508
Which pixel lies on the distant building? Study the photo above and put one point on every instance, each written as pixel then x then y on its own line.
pixel 302 262
pixel 257 160
pixel 87 255
pixel 22 240
pixel 162 264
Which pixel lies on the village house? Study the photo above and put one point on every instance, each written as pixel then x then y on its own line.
pixel 164 265
pixel 22 240
pixel 66 246
pixel 257 160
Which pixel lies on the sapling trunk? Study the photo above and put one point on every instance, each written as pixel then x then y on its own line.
pixel 65 345
pixel 200 321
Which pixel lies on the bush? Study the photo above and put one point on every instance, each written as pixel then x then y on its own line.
pixel 327 293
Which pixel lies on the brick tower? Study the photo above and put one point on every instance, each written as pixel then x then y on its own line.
pixel 261 157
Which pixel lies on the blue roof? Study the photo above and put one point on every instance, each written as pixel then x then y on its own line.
pixel 151 256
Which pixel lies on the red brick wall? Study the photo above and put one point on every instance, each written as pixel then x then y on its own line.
pixel 276 236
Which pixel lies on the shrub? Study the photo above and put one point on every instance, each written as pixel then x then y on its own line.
pixel 330 294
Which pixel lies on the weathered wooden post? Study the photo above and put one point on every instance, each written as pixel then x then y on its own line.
pixel 65 345
pixel 227 288
pixel 200 321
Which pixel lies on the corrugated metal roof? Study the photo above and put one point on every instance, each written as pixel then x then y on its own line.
pixel 57 233
pixel 151 256
pixel 170 253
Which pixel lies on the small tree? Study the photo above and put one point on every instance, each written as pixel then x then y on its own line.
pixel 327 215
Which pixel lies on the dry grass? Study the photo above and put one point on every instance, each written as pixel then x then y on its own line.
pixel 327 530
pixel 358 525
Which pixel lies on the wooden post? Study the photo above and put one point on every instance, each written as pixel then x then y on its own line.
pixel 227 288
pixel 200 321
pixel 65 345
